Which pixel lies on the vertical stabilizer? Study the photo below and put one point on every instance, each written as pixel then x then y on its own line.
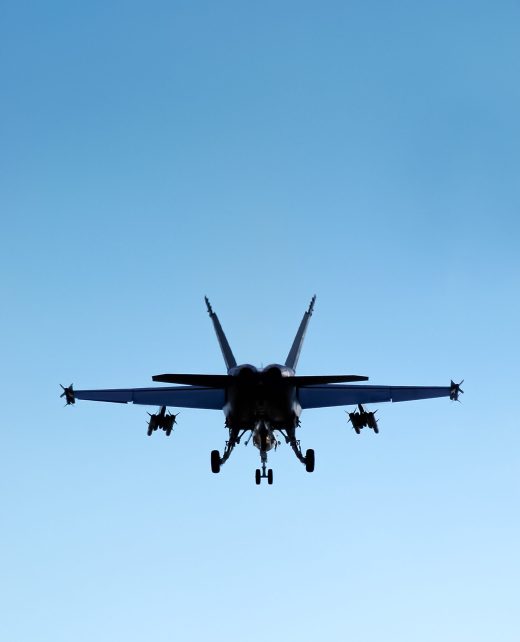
pixel 292 358
pixel 223 342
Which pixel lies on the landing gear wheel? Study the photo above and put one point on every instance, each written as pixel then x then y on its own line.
pixel 168 432
pixel 358 431
pixel 376 430
pixel 258 478
pixel 309 460
pixel 270 476
pixel 215 461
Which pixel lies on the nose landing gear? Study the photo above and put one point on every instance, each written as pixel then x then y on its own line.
pixel 265 473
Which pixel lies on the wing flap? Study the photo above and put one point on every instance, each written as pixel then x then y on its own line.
pixel 336 395
pixel 178 397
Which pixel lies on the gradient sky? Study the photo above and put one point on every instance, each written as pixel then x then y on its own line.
pixel 153 153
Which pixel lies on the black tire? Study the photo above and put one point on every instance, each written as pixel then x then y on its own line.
pixel 358 430
pixel 376 430
pixel 309 460
pixel 169 432
pixel 258 479
pixel 215 461
pixel 270 476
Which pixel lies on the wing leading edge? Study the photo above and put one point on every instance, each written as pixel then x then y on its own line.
pixel 337 395
pixel 313 396
pixel 179 397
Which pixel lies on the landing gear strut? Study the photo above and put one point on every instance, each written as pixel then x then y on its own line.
pixel 216 460
pixel 265 473
pixel 308 460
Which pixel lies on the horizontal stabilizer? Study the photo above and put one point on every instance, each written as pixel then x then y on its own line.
pixel 224 381
pixel 321 380
pixel 207 380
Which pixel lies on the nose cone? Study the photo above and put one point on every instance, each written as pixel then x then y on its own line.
pixel 264 442
pixel 263 437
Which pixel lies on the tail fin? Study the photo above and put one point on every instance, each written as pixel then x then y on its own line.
pixel 294 353
pixel 223 342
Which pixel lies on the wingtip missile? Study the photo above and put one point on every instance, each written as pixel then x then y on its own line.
pixel 456 390
pixel 68 393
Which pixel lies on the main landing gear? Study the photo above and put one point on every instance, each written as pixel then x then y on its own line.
pixel 216 460
pixel 308 460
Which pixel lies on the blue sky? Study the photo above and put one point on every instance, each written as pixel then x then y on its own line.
pixel 154 153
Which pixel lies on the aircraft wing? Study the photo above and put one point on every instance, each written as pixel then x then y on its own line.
pixel 177 396
pixel 337 395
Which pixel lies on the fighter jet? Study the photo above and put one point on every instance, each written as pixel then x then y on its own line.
pixel 264 404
